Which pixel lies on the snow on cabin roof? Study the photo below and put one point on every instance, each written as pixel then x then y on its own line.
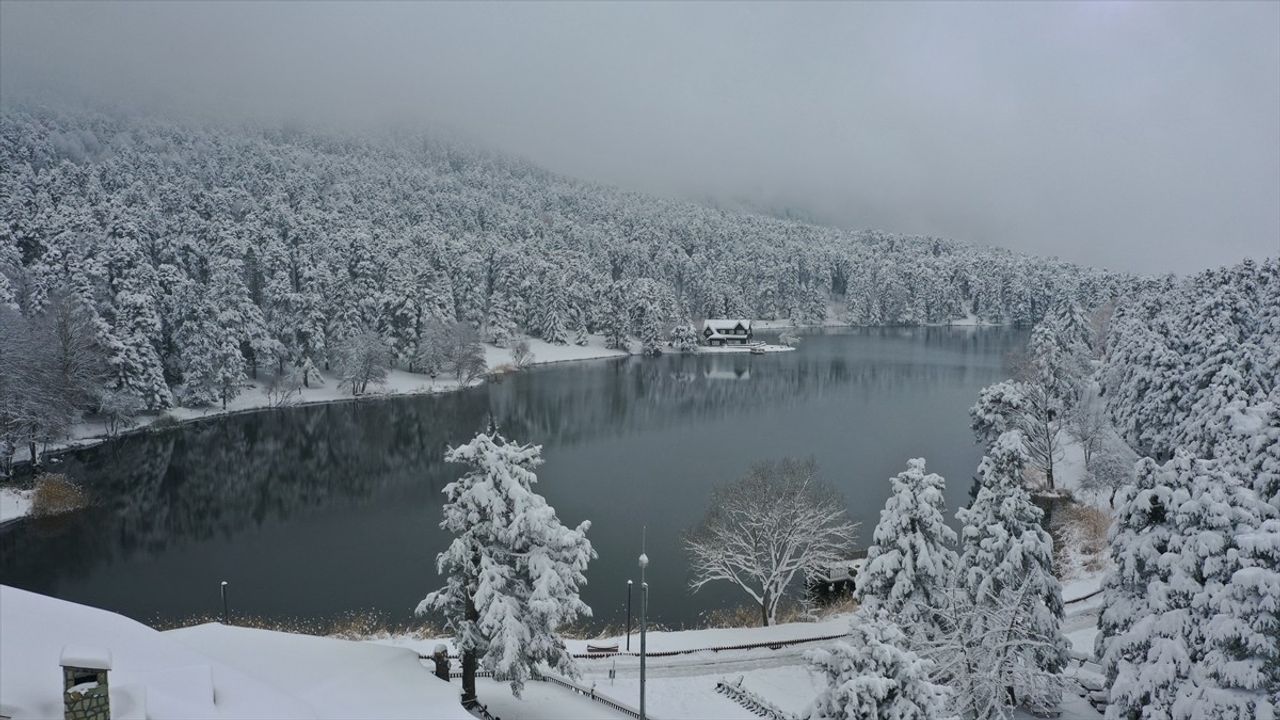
pixel 85 656
pixel 725 324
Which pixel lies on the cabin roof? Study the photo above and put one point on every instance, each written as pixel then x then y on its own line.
pixel 725 324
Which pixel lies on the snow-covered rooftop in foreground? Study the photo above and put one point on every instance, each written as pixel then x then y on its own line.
pixel 209 671
pixel 85 656
pixel 340 678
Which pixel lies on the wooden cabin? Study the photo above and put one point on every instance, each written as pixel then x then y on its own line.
pixel 721 332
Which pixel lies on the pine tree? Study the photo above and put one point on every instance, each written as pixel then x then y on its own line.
pixel 513 571
pixel 1189 620
pixel 617 320
pixel 1006 552
pixel 553 311
pixel 500 324
pixel 872 674
pixel 911 559
pixel 1144 531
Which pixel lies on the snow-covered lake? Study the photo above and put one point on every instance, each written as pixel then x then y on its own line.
pixel 315 511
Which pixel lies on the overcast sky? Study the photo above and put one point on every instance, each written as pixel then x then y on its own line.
pixel 1132 135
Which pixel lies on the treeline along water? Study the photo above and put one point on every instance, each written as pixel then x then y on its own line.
pixel 318 510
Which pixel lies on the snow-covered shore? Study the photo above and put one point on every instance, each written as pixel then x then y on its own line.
pixel 254 397
pixel 14 504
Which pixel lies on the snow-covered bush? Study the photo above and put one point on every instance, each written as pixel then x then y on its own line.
pixel 56 494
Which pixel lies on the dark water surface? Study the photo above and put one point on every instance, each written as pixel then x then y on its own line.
pixel 314 511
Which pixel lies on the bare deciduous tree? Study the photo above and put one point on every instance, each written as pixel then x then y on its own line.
pixel 454 347
pixel 521 354
pixel 118 410
pixel 1087 423
pixel 363 360
pixel 283 389
pixel 772 527
pixel 1112 467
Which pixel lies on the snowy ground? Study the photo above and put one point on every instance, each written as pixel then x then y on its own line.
pixel 14 504
pixel 667 641
pixel 683 686
pixel 540 701
pixel 707 350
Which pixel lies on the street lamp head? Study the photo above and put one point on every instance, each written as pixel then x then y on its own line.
pixel 628 582
pixel 644 560
pixel 224 583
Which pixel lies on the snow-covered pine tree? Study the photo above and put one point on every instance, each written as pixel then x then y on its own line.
pixel 1189 617
pixel 579 323
pixel 1143 532
pixel 1227 579
pixel 911 560
pixel 873 675
pixel 553 310
pixel 684 338
pixel 617 321
pixel 513 571
pixel 1265 466
pixel 998 410
pixel 1005 551
pixel 499 324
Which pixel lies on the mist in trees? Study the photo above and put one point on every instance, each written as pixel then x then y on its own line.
pixel 202 255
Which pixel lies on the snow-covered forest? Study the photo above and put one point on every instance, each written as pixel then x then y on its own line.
pixel 201 255
pixel 1183 372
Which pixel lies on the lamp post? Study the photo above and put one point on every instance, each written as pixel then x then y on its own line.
pixel 224 602
pixel 644 611
pixel 629 584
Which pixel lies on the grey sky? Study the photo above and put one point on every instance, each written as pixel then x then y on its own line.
pixel 1137 136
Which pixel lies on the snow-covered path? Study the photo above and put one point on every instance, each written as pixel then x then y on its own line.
pixel 540 701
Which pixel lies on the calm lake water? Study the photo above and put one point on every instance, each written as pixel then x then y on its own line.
pixel 315 511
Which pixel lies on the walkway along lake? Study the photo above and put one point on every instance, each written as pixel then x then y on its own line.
pixel 318 510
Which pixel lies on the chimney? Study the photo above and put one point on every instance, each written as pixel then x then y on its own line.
pixel 85 694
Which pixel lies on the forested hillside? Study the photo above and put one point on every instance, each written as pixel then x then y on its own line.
pixel 1192 364
pixel 202 255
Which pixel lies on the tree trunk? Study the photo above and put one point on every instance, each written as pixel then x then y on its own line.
pixel 35 456
pixel 469 660
pixel 764 610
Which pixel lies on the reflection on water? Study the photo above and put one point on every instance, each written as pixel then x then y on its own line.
pixel 314 511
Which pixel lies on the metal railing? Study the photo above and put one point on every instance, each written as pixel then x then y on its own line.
pixel 771 644
pixel 754 703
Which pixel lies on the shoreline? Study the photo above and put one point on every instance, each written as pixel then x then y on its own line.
pixel 253 398
pixel 399 383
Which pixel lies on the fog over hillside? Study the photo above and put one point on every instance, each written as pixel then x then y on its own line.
pixel 1136 136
